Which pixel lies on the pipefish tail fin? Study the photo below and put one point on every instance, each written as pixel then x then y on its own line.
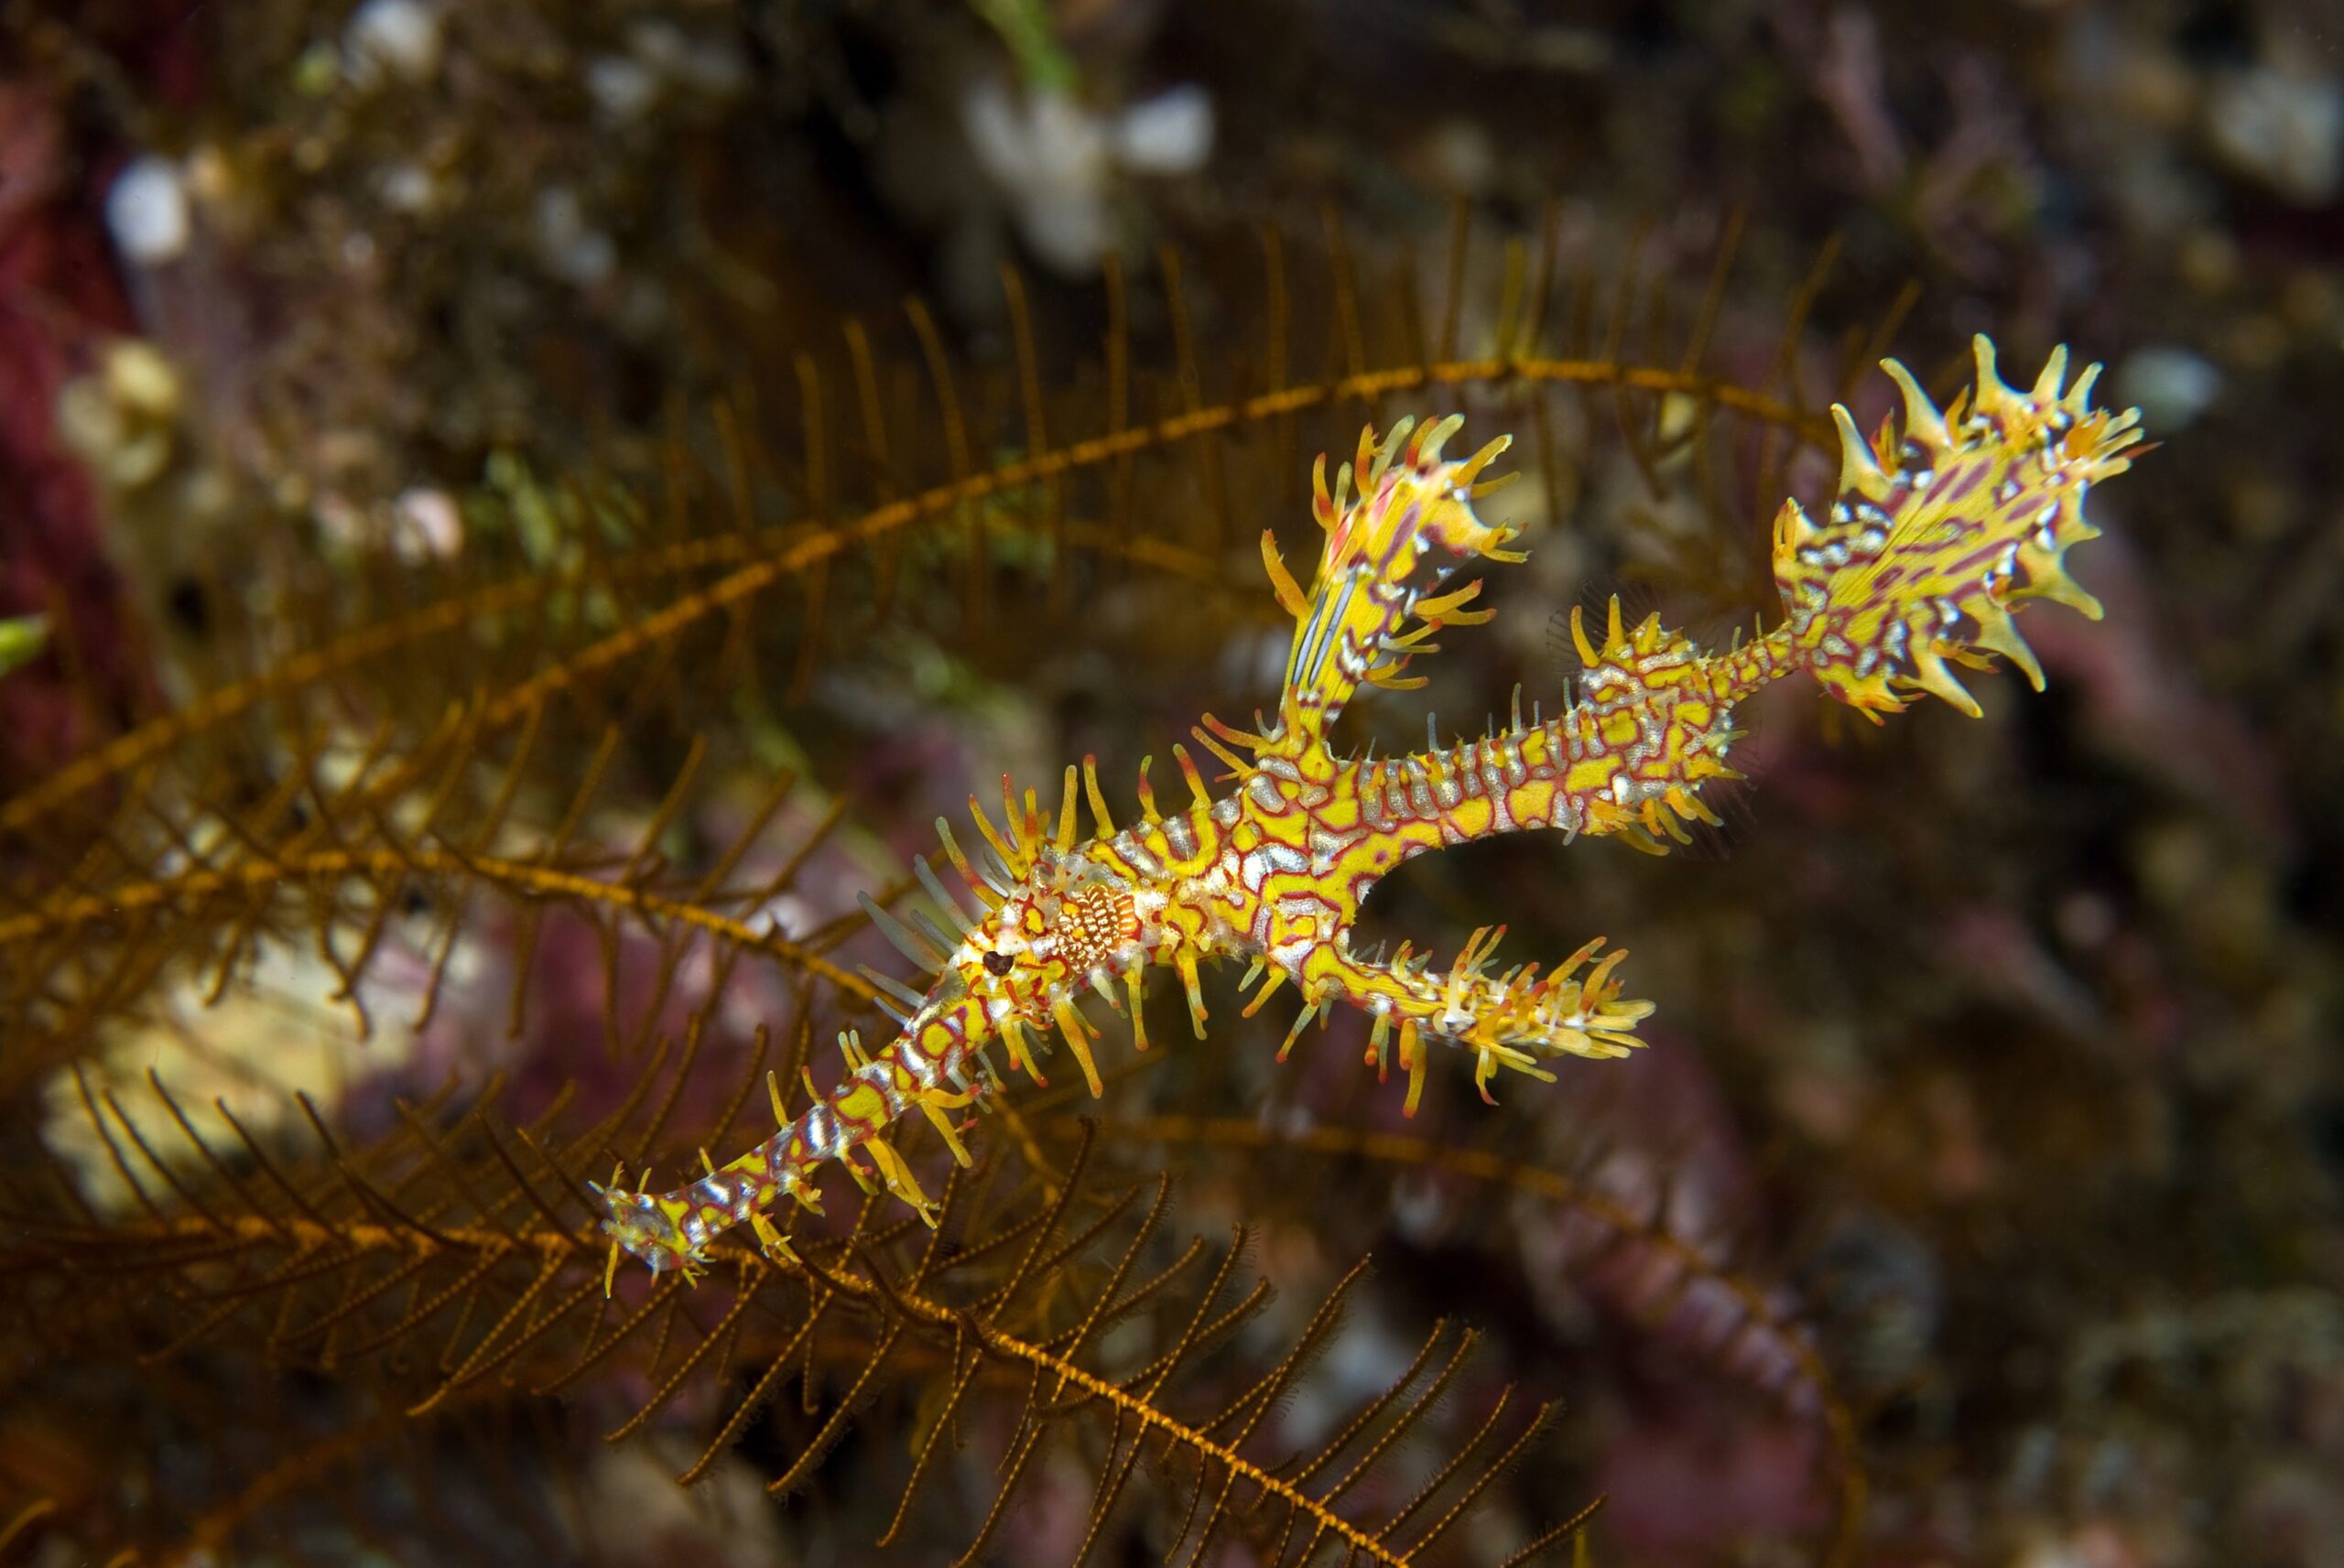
pixel 1942 527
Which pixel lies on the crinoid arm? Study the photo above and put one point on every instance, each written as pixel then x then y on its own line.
pixel 1941 528
pixel 1353 625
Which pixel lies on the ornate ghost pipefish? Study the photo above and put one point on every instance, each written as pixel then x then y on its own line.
pixel 1942 528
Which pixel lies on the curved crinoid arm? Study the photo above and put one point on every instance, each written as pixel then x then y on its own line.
pixel 1352 626
pixel 1941 528
pixel 1515 1019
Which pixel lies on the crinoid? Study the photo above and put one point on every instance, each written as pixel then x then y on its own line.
pixel 587 800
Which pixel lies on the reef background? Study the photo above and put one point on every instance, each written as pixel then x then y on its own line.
pixel 1997 1059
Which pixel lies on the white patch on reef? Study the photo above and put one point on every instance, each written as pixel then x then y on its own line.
pixel 387 39
pixel 147 210
pixel 426 525
pixel 1169 134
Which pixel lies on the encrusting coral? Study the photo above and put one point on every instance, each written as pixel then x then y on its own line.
pixel 1941 526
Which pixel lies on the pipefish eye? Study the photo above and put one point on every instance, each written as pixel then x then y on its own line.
pixel 999 963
